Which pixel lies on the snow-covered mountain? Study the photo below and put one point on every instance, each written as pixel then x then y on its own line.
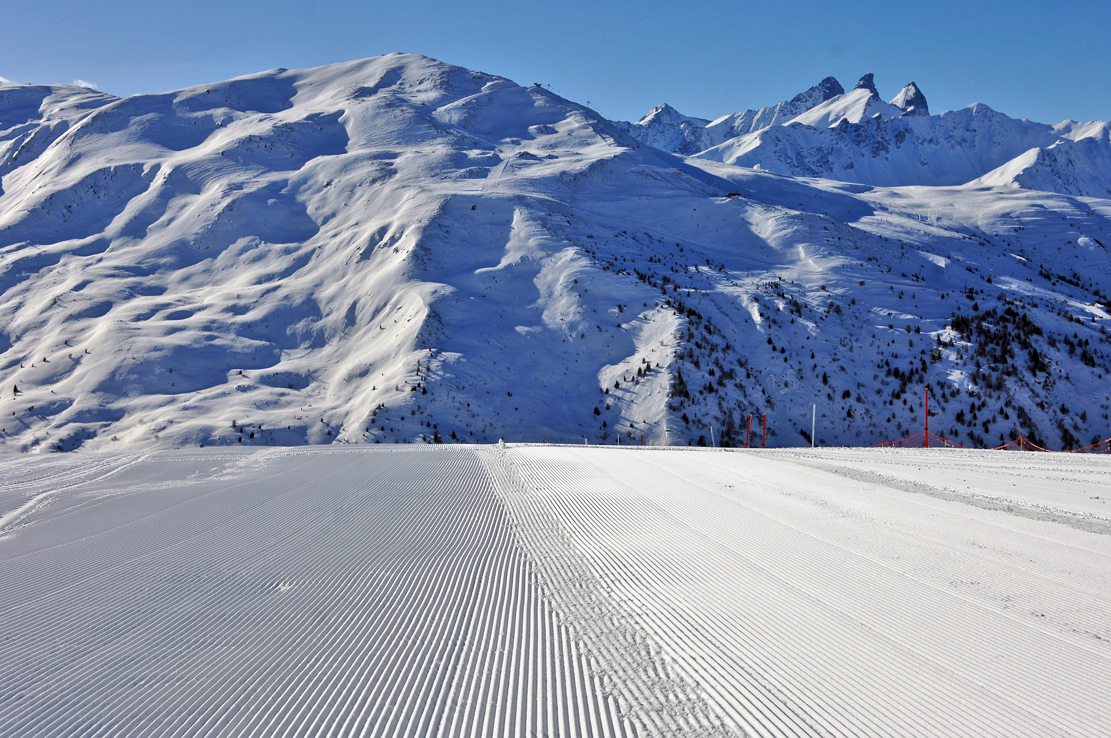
pixel 397 249
pixel 665 128
pixel 858 143
pixel 856 137
pixel 1067 166
pixel 860 103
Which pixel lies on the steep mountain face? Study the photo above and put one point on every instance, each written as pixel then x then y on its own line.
pixel 911 100
pixel 667 129
pixel 859 104
pixel 397 249
pixel 867 83
pixel 738 124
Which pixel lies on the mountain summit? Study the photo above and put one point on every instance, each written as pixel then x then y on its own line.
pixel 866 83
pixel 911 99
pixel 827 89
pixel 666 128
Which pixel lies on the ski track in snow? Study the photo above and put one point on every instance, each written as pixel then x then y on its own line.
pixel 555 590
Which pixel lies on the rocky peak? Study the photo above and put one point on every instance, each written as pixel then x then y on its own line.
pixel 866 83
pixel 662 114
pixel 827 89
pixel 911 100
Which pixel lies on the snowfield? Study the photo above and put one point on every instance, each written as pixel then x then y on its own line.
pixel 536 590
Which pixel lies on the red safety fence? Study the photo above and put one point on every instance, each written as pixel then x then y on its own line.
pixel 921 439
pixel 1022 443
pixel 1103 447
pixel 929 439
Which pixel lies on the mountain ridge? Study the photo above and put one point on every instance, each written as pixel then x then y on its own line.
pixel 855 137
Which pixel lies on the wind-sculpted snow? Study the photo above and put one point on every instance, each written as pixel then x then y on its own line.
pixel 267 229
pixel 546 590
pixel 397 250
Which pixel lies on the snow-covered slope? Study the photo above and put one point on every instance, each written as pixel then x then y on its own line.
pixel 397 249
pixel 1067 167
pixel 911 101
pixel 34 116
pixel 858 104
pixel 738 124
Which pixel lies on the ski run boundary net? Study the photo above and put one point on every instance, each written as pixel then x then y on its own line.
pixel 929 439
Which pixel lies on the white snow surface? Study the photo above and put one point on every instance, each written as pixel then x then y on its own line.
pixel 399 250
pixel 911 100
pixel 548 590
pixel 1065 167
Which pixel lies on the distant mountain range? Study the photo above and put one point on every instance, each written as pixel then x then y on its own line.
pixel 855 137
pixel 400 250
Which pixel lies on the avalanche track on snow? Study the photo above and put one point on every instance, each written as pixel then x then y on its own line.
pixel 555 590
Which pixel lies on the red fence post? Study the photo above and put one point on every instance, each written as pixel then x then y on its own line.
pixel 927 417
pixel 764 433
pixel 748 429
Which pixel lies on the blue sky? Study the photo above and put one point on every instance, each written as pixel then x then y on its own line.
pixel 1039 60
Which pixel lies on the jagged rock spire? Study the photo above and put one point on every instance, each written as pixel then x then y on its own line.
pixel 866 83
pixel 827 89
pixel 911 100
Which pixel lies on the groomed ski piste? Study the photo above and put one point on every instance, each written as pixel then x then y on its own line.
pixel 543 590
